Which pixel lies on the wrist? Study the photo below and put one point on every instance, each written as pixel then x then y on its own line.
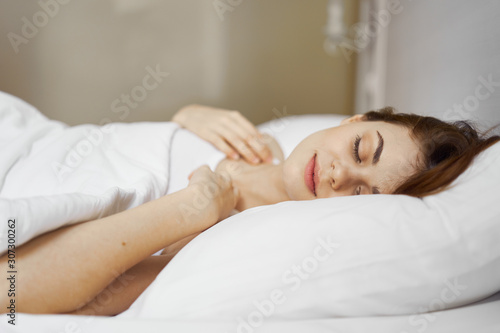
pixel 200 204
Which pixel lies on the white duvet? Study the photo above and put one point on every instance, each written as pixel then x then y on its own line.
pixel 53 174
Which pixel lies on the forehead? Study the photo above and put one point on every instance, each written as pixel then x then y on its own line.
pixel 397 134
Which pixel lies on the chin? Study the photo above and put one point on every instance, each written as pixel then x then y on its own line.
pixel 293 176
pixel 295 193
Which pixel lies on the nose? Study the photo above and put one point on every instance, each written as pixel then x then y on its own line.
pixel 343 176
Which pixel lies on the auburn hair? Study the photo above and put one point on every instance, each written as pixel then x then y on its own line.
pixel 447 149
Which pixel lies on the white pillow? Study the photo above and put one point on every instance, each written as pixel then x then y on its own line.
pixel 348 256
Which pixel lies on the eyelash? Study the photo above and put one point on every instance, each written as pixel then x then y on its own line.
pixel 355 149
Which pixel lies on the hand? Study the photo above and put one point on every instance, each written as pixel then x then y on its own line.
pixel 228 131
pixel 214 189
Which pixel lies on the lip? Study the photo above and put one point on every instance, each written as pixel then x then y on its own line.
pixel 310 175
pixel 316 173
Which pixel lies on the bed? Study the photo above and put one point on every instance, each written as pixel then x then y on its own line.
pixel 368 263
pixel 480 317
pixel 355 264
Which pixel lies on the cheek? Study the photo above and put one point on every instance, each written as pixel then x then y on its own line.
pixel 403 171
pixel 395 174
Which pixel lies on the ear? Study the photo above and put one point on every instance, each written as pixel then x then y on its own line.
pixel 353 119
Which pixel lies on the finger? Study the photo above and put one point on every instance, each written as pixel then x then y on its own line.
pixel 236 141
pixel 200 169
pixel 269 142
pixel 225 176
pixel 204 166
pixel 244 123
pixel 253 137
pixel 221 144
pixel 246 151
pixel 260 149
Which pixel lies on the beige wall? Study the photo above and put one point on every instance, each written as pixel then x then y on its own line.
pixel 263 55
pixel 449 56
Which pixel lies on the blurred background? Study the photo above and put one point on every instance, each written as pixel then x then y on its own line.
pixel 141 60
pixel 251 56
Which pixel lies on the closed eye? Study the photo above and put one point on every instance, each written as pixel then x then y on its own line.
pixel 355 149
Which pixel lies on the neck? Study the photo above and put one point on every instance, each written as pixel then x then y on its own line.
pixel 260 185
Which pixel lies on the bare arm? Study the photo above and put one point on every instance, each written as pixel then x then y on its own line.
pixel 67 268
pixel 119 295
pixel 173 249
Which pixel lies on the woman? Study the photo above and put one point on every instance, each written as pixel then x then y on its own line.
pixel 66 270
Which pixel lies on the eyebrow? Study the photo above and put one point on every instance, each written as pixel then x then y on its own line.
pixel 376 158
pixel 378 151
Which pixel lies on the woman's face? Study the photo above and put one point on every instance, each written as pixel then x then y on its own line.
pixel 357 157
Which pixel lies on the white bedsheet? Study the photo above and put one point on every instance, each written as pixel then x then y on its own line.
pixel 53 174
pixel 481 317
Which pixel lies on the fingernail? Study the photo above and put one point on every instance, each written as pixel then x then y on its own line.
pixel 235 156
pixel 269 159
pixel 256 160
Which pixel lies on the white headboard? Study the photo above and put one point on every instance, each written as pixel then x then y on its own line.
pixel 439 58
